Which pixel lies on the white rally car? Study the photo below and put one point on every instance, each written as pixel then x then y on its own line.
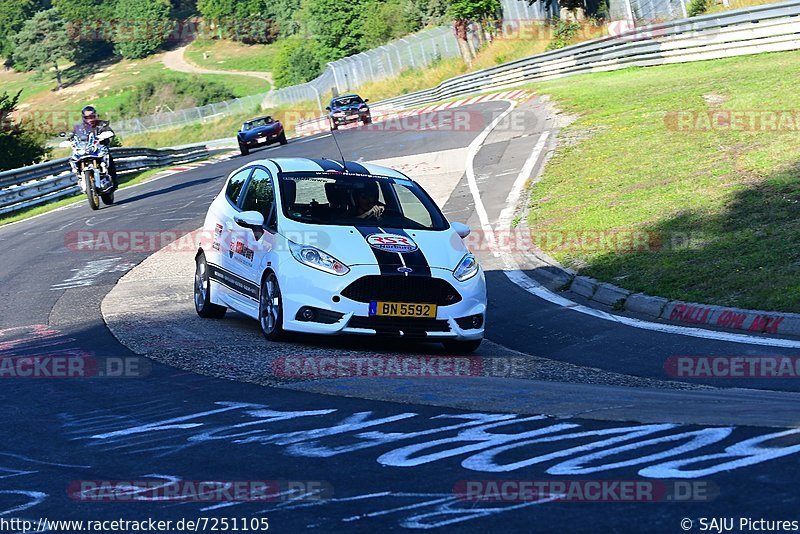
pixel 325 247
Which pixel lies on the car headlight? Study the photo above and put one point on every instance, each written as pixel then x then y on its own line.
pixel 318 259
pixel 467 268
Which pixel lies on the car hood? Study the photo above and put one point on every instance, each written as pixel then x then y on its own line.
pixel 351 245
pixel 255 132
pixel 354 107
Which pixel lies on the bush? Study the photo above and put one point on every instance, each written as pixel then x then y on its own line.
pixel 697 7
pixel 295 62
pixel 563 34
pixel 144 26
pixel 164 93
pixel 18 147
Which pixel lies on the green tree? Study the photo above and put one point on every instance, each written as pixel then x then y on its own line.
pixel 42 42
pixel 90 24
pixel 462 12
pixel 576 7
pixel 13 14
pixel 295 62
pixel 250 21
pixel 384 21
pixel 143 27
pixel 336 26
pixel 18 147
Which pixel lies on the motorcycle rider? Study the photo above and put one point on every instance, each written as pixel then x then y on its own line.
pixel 92 125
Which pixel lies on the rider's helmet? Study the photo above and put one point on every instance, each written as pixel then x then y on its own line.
pixel 89 114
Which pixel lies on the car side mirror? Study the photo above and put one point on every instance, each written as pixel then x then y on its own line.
pixel 366 100
pixel 328 108
pixel 461 229
pixel 250 219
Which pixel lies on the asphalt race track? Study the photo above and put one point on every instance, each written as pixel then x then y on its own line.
pixel 370 456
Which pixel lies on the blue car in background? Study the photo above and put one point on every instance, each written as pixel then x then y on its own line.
pixel 258 132
pixel 348 108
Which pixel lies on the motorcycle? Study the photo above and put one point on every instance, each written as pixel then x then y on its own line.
pixel 89 162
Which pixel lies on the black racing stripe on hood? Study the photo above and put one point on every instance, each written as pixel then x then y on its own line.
pixel 415 260
pixel 387 261
pixel 327 164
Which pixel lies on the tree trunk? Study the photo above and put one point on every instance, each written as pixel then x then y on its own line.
pixel 58 75
pixel 460 26
pixel 480 33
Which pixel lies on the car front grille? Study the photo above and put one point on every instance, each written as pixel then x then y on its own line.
pixel 414 289
pixel 395 325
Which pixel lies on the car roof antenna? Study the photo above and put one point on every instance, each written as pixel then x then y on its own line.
pixel 341 154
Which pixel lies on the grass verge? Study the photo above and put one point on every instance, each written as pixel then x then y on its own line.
pixel 721 206
pixel 220 54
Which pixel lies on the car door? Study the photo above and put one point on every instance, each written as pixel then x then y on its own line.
pixel 224 209
pixel 253 248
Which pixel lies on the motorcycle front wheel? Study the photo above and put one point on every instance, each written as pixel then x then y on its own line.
pixel 91 193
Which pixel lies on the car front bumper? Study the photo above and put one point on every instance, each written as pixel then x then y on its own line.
pixel 351 117
pixel 308 287
pixel 262 140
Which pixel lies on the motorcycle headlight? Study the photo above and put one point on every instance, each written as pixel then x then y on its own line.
pixel 467 268
pixel 318 259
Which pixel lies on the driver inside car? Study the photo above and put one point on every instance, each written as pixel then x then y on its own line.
pixel 367 204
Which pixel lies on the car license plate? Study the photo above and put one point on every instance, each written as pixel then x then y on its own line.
pixel 352 116
pixel 402 309
pixel 261 139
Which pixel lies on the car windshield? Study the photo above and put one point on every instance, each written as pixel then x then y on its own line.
pixel 346 101
pixel 358 200
pixel 257 123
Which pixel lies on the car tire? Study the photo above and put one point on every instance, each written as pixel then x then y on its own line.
pixel 282 138
pixel 243 149
pixel 367 120
pixel 202 292
pixel 334 126
pixel 270 308
pixel 457 346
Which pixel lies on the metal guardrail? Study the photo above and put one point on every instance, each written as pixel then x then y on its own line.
pixel 30 186
pixel 767 28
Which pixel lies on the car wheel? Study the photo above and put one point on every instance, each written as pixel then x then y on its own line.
pixel 243 149
pixel 270 308
pixel 202 292
pixel 334 126
pixel 367 120
pixel 282 138
pixel 457 346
